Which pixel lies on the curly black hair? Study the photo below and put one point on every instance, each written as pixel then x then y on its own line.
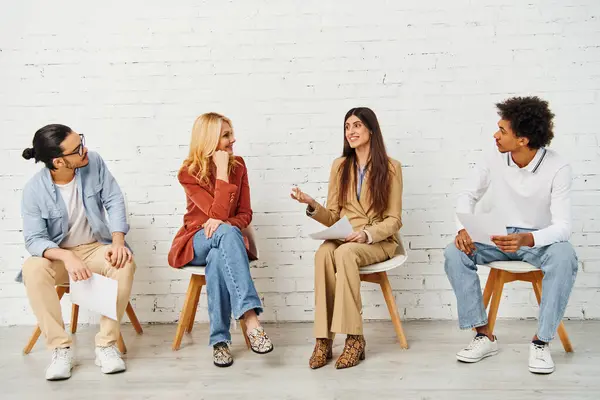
pixel 529 117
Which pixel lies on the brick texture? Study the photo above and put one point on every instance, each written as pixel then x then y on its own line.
pixel 133 76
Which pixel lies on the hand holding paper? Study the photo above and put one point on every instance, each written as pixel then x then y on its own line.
pixel 513 242
pixel 482 227
pixel 338 231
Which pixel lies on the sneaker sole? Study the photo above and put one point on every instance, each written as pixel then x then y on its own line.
pixel 61 378
pixel 542 371
pixel 109 372
pixel 474 360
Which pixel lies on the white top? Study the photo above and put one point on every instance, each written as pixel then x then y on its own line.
pixel 537 196
pixel 80 231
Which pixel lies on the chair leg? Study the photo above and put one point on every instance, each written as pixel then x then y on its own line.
pixel 34 338
pixel 386 288
pixel 244 332
pixel 562 331
pixel 564 338
pixel 186 312
pixel 496 297
pixel 74 317
pixel 60 292
pixel 121 344
pixel 195 301
pixel 134 320
pixel 489 288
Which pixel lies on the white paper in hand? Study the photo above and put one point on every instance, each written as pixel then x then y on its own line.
pixel 339 230
pixel 98 294
pixel 482 226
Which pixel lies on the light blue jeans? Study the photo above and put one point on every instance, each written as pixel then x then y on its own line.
pixel 557 261
pixel 229 285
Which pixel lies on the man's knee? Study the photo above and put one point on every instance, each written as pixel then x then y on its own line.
pixel 560 257
pixel 453 258
pixel 129 268
pixel 35 270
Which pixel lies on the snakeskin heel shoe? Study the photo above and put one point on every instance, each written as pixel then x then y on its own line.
pixel 354 351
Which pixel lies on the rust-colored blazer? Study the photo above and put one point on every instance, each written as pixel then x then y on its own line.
pixel 382 228
pixel 229 202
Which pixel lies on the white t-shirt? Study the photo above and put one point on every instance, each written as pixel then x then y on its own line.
pixel 537 196
pixel 80 231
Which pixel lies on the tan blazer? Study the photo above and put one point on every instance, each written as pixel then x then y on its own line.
pixel 383 229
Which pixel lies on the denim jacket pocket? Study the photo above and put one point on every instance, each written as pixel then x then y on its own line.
pixel 51 213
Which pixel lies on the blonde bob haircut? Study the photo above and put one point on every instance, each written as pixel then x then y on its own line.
pixel 206 134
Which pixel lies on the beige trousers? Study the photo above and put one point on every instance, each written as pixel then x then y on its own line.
pixel 338 305
pixel 41 275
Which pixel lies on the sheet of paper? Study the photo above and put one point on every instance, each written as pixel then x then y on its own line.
pixel 98 294
pixel 482 226
pixel 339 230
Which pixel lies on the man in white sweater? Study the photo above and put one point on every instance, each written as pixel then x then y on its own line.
pixel 530 188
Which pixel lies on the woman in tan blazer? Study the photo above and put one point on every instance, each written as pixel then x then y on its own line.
pixel 365 185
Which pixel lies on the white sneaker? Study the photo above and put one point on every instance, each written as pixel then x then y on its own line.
pixel 61 365
pixel 479 348
pixel 540 359
pixel 109 359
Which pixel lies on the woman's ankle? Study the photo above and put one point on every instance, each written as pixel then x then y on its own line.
pixel 251 320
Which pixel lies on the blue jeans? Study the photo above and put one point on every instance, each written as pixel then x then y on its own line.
pixel 229 285
pixel 557 261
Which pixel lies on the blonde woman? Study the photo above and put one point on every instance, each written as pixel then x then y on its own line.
pixel 218 208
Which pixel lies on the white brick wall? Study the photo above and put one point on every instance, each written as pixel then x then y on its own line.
pixel 133 76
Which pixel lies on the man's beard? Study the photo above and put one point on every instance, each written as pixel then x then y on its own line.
pixel 73 166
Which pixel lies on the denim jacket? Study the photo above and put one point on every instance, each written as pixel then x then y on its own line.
pixel 45 216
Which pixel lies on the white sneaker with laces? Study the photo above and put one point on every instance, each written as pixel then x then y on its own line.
pixel 61 365
pixel 540 359
pixel 109 359
pixel 479 348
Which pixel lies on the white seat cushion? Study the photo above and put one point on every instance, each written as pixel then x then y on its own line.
pixel 194 270
pixel 511 266
pixel 392 263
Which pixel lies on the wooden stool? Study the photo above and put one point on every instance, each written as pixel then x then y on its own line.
pixel 60 291
pixel 502 272
pixel 377 273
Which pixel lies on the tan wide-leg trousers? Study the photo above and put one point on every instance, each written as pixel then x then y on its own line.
pixel 338 305
pixel 41 275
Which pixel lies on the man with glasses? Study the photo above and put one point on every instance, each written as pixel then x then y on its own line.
pixel 67 233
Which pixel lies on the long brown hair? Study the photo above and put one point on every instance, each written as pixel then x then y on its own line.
pixel 378 163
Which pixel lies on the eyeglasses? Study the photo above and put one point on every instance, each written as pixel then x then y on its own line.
pixel 78 149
